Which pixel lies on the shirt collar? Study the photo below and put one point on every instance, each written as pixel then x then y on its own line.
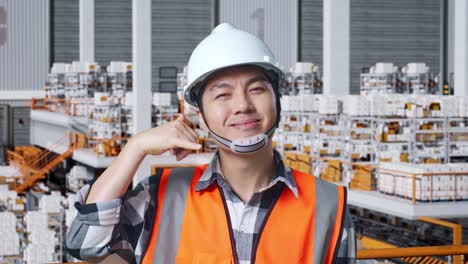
pixel 213 172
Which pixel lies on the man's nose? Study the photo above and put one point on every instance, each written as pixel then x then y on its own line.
pixel 242 102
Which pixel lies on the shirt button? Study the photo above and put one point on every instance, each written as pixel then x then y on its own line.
pixel 242 228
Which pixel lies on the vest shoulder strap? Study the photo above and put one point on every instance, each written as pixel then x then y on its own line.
pixel 330 206
pixel 173 189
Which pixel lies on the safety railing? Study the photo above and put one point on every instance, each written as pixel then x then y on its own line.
pixel 388 253
pixel 413 185
pixel 33 169
pixel 382 250
pixel 50 104
pixel 15 158
pixel 38 103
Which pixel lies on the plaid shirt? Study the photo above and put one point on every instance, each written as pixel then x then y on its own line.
pixel 118 231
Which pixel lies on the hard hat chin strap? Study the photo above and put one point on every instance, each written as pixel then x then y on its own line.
pixel 243 145
pixel 246 145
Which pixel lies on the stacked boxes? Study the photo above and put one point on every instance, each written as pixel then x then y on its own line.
pixel 355 105
pixel 327 137
pixel 462 106
pixel 398 152
pixel 303 78
pixel 291 103
pixel 299 162
pixel 307 102
pixel 77 178
pixel 11 244
pixel 357 152
pixel 381 78
pixel 418 79
pixel 70 211
pixel 10 199
pixel 358 138
pixel 303 103
pixel 163 110
pixel 51 203
pixel 82 79
pixel 120 82
pixel 332 171
pixel 383 105
pixel 119 78
pixel 414 78
pixel 161 99
pixel 105 117
pixel 105 124
pixel 187 109
pixel 362 178
pixel 458 139
pixel 427 106
pixel 430 141
pixel 328 105
pixel 41 248
pixel 396 179
pixel 55 85
pixel 394 105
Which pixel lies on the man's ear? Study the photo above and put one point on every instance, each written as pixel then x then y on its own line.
pixel 202 121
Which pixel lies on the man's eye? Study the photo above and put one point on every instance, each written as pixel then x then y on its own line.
pixel 257 89
pixel 221 95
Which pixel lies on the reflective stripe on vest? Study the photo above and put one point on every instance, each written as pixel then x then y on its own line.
pixel 194 227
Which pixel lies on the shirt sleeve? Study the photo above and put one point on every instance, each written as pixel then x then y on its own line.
pixel 107 230
pixel 347 249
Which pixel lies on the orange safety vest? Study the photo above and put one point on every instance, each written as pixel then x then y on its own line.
pixel 194 227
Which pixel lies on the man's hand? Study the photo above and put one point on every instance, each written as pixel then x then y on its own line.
pixel 175 136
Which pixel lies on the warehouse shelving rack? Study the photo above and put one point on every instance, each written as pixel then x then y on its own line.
pixel 303 83
pixel 384 143
pixel 358 131
pixel 379 83
pixel 358 151
pixel 420 83
pixel 429 140
pixel 457 134
pixel 327 145
pixel 163 114
pixel 295 124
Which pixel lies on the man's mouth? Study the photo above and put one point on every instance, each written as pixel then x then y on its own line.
pixel 248 123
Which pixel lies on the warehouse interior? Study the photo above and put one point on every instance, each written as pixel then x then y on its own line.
pixel 375 98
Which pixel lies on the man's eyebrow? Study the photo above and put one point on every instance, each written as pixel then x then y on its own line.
pixel 222 84
pixel 219 85
pixel 258 78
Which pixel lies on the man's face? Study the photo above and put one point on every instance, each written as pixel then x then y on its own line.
pixel 239 102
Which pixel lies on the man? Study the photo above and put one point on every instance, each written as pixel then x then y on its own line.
pixel 243 207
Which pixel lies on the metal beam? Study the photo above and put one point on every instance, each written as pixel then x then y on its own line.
pixel 214 13
pixel 299 30
pixel 461 48
pixel 87 30
pixel 443 46
pixel 51 33
pixel 142 90
pixel 336 24
pixel 386 253
pixel 451 38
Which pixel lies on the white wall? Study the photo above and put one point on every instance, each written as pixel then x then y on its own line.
pixel 274 21
pixel 24 57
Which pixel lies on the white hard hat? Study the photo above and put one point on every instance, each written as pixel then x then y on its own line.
pixel 225 47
